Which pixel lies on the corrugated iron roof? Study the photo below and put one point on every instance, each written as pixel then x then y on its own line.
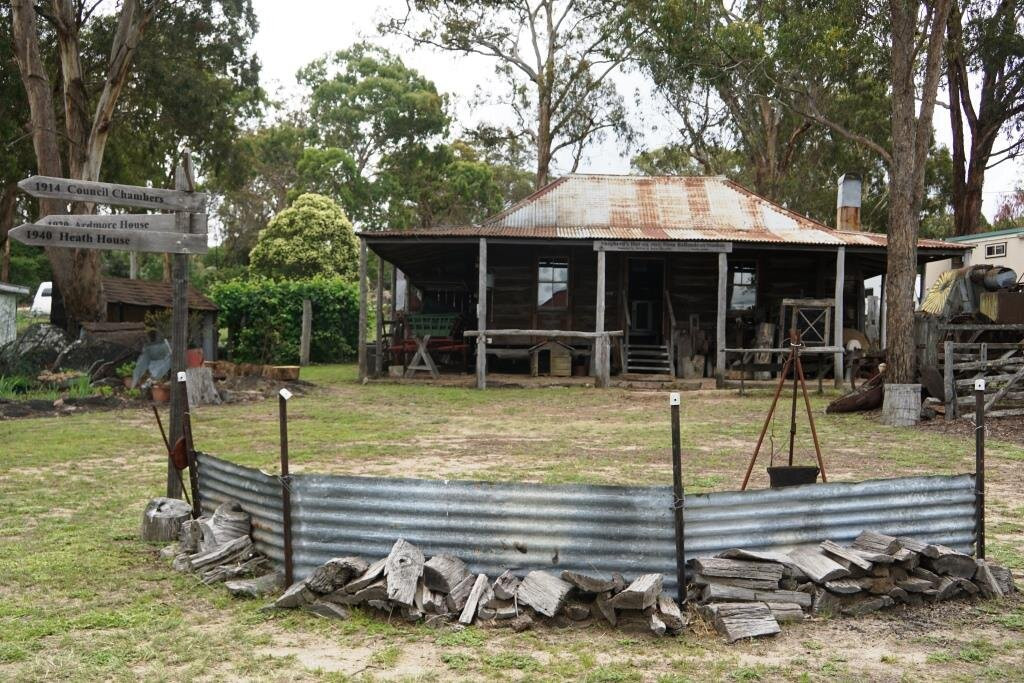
pixel 626 207
pixel 119 290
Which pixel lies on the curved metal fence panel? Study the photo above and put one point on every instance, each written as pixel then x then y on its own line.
pixel 498 526
pixel 257 492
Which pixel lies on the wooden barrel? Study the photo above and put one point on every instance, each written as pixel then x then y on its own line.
pixel 901 406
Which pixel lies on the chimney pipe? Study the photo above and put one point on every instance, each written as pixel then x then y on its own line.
pixel 848 203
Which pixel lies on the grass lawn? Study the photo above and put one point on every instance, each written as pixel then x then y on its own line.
pixel 81 598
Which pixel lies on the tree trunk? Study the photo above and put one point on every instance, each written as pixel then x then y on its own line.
pixel 543 139
pixel 904 219
pixel 6 223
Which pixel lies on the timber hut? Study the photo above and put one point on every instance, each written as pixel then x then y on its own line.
pixel 641 274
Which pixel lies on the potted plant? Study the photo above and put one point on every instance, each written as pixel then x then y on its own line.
pixel 125 371
pixel 194 354
pixel 161 392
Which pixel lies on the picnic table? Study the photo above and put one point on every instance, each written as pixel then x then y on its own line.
pixel 428 332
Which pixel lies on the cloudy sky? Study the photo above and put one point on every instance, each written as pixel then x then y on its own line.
pixel 294 32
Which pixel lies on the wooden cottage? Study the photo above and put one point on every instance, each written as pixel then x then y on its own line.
pixel 638 274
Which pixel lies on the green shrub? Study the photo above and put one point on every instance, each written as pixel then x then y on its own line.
pixel 264 319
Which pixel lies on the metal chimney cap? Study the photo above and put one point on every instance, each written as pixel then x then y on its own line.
pixel 849 190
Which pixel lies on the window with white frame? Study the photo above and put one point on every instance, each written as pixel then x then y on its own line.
pixel 995 250
pixel 553 283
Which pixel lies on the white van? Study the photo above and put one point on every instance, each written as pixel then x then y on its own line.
pixel 43 299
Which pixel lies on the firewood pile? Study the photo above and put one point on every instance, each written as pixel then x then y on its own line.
pixel 442 590
pixel 219 547
pixel 746 594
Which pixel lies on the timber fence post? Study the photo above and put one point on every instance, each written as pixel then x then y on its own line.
pixel 678 500
pixel 979 468
pixel 286 489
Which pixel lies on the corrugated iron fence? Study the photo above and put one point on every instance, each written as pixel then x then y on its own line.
pixel 496 526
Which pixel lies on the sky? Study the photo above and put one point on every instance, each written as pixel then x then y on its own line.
pixel 295 32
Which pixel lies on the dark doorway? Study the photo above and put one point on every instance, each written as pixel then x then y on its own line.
pixel 645 300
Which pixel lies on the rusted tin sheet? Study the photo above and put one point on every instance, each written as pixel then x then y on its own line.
pixel 621 207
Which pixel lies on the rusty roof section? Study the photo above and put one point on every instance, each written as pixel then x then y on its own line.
pixel 119 290
pixel 676 208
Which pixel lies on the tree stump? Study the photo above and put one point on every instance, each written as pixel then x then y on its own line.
pixel 163 518
pixel 901 406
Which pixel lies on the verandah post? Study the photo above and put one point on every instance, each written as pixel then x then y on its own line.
pixel 361 351
pixel 601 342
pixel 481 318
pixel 723 292
pixel 838 319
pixel 378 357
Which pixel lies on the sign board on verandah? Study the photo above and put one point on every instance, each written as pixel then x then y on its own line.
pixel 101 238
pixel 112 193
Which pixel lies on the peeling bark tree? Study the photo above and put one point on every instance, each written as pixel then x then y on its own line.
pixel 76 271
pixel 992 48
pixel 917 37
pixel 556 56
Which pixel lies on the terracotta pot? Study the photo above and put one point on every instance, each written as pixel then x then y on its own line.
pixel 161 393
pixel 194 358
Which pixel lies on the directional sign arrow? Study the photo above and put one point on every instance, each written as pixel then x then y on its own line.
pixel 161 222
pixel 111 193
pixel 103 238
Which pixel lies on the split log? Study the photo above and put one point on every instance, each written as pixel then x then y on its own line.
pixel 522 623
pixel 506 611
pixel 654 621
pixel 607 610
pixel 947 588
pixel 815 565
pixel 543 592
pixel 738 569
pixel 670 613
pixel 640 594
pixel 968 586
pixel 444 572
pixel 224 572
pixel 162 519
pixel 874 542
pixel 296 595
pixel 577 611
pixel 199 387
pixel 931 577
pixel 915 585
pixel 825 603
pixel 484 611
pixel 1004 578
pixel 259 587
pixel 898 594
pixel 232 550
pixel 843 587
pixel 719 593
pixel 472 601
pixel 505 585
pixel 785 560
pixel 986 581
pixel 786 611
pixel 753 584
pixel 190 535
pixel 872 556
pixel 949 562
pixel 403 569
pixel 328 610
pixel 743 620
pixel 374 592
pixel 868 606
pixel 590 584
pixel 911 544
pixel 371 575
pixel 335 573
pixel 847 554
pixel 908 559
pixel 456 600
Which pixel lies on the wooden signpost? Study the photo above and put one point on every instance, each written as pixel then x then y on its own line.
pixel 38 235
pixel 180 233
